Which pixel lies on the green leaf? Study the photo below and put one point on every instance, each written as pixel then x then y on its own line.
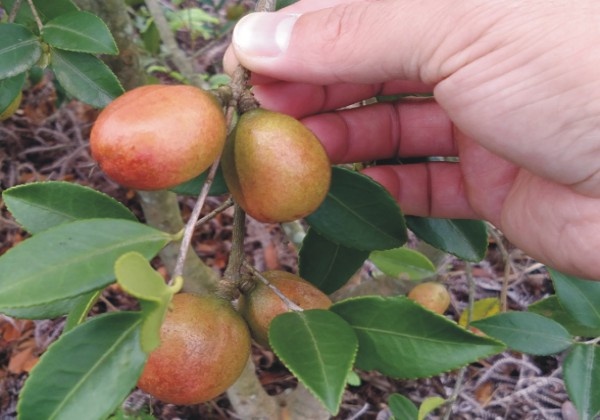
pixel 581 371
pixel 527 332
pixel 550 307
pixel 19 49
pixel 82 306
pixel 194 186
pixel 85 77
pixel 46 10
pixel 319 349
pixel 402 408
pixel 10 88
pixel 87 373
pixel 280 4
pixel 79 31
pixel 467 239
pixel 137 277
pixel 42 205
pixel 69 260
pixel 579 297
pixel 430 404
pixel 400 338
pixel 326 264
pixel 359 213
pixel 403 262
pixel 151 38
pixel 44 310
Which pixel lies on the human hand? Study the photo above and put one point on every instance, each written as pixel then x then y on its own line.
pixel 517 99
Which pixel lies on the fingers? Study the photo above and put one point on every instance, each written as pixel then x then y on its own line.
pixel 302 99
pixel 433 189
pixel 361 41
pixel 384 131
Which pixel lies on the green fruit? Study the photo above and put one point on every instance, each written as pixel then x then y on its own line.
pixel 12 107
pixel 275 167
pixel 432 295
pixel 205 345
pixel 260 305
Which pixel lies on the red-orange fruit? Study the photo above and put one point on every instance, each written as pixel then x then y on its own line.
pixel 432 295
pixel 260 305
pixel 275 167
pixel 158 136
pixel 205 345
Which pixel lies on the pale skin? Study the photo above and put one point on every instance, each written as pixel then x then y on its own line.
pixel 516 89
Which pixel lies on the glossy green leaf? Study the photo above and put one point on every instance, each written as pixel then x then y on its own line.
pixel 69 260
pixel 43 310
pixel 579 297
pixel 403 261
pixel 402 408
pixel 428 405
pixel 10 88
pixel 581 371
pixel 194 186
pixel 319 349
pixel 46 10
pixel 151 38
pixel 87 373
pixel 82 306
pixel 326 264
pixel 359 213
pixel 19 49
pixel 550 307
pixel 79 31
pixel 467 239
pixel 526 332
pixel 137 277
pixel 400 338
pixel 42 205
pixel 85 77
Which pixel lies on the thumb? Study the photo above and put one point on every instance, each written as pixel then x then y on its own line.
pixel 361 41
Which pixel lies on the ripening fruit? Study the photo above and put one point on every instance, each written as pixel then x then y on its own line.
pixel 275 168
pixel 158 136
pixel 432 295
pixel 260 305
pixel 11 108
pixel 205 345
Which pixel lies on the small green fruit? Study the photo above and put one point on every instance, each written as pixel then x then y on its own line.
pixel 260 305
pixel 275 167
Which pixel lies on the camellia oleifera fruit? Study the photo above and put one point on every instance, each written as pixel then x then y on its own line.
pixel 260 304
pixel 205 345
pixel 432 295
pixel 9 111
pixel 158 136
pixel 275 167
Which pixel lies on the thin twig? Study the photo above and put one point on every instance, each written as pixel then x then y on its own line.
pixel 507 267
pixel 224 206
pixel 191 224
pixel 36 17
pixel 460 377
pixel 14 10
pixel 291 305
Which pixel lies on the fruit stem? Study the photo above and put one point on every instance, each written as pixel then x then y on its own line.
pixel 236 255
pixel 191 224
pixel 291 305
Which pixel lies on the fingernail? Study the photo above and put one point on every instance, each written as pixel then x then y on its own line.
pixel 264 34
